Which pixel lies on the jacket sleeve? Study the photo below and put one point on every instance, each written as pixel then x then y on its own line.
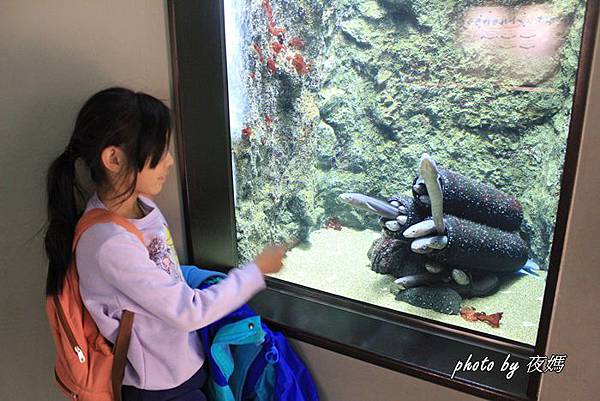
pixel 124 262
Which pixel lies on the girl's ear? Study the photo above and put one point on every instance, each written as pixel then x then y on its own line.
pixel 113 159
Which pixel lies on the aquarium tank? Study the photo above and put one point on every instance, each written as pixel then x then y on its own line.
pixel 409 152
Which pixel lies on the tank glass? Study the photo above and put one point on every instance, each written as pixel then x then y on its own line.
pixel 409 152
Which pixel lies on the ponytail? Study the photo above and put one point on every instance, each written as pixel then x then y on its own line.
pixel 63 213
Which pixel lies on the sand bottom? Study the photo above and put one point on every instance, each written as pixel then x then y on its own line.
pixel 337 262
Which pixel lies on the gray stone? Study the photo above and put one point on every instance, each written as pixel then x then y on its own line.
pixel 371 9
pixel 439 299
pixel 358 31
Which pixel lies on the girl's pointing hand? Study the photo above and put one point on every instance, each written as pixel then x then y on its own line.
pixel 270 260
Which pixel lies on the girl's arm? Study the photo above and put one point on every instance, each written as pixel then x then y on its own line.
pixel 124 263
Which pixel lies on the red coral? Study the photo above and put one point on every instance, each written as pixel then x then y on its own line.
pixel 252 75
pixel 271 65
pixel 469 313
pixel 259 51
pixel 247 132
pixel 333 222
pixel 493 320
pixel 266 4
pixel 296 42
pixel 277 47
pixel 299 64
pixel 275 30
pixel 268 119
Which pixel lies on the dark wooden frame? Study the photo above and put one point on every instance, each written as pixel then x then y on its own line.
pixel 419 347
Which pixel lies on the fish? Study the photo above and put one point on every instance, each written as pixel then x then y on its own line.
pixel 416 280
pixel 529 269
pixel 426 245
pixel 377 206
pixel 420 229
pixel 428 172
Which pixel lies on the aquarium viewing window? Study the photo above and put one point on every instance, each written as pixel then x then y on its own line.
pixel 418 158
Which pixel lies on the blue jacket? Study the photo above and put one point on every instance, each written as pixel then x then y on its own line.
pixel 246 360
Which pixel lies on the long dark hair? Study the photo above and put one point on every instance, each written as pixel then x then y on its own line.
pixel 136 122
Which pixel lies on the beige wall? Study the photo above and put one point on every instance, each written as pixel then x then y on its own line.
pixel 54 54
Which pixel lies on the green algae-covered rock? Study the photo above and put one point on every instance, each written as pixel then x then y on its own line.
pixel 440 299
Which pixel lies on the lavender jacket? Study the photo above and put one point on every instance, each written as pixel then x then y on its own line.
pixel 118 272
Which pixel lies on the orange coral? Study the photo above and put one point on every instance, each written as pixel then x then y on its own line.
pixel 277 47
pixel 296 42
pixel 469 313
pixel 299 64
pixel 259 51
pixel 271 65
pixel 266 4
pixel 333 222
pixel 276 30
pixel 246 132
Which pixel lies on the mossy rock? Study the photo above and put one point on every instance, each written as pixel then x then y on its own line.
pixel 440 299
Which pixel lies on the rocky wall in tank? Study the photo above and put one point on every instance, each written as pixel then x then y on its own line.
pixel 344 96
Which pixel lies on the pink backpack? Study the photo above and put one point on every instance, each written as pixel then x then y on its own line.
pixel 87 366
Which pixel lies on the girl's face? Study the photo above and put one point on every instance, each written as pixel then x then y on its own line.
pixel 150 180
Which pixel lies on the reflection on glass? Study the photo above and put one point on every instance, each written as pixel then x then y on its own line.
pixel 413 151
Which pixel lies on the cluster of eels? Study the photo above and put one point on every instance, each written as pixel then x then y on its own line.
pixel 454 238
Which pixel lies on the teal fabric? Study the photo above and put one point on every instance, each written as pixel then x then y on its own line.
pixel 266 384
pixel 244 356
pixel 233 349
pixel 245 331
pixel 219 393
pixel 195 276
pixel 245 359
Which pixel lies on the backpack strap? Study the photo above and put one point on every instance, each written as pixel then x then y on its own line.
pixel 120 353
pixel 97 216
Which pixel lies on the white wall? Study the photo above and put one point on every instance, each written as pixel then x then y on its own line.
pixel 54 54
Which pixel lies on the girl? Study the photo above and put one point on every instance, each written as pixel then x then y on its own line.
pixel 123 138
